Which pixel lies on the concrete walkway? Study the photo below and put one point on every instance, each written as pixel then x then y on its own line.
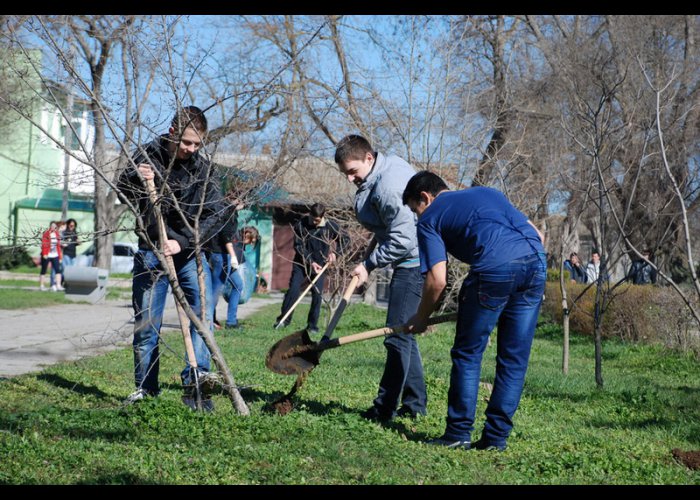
pixel 31 339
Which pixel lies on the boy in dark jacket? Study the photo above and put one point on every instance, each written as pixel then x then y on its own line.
pixel 313 237
pixel 173 160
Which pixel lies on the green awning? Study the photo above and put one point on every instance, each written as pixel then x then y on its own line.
pixel 52 199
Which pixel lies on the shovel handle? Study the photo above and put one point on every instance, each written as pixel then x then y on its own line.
pixel 163 236
pixel 379 332
pixel 341 307
pixel 313 282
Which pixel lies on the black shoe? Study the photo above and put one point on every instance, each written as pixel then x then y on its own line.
pixel 449 443
pixel 277 325
pixel 374 415
pixel 407 412
pixel 312 331
pixel 486 446
pixel 191 403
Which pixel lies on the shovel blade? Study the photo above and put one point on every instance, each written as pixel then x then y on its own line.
pixel 293 354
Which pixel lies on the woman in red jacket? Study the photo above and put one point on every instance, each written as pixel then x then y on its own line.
pixel 51 252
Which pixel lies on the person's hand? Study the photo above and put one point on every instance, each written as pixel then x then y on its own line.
pixel 361 272
pixel 416 325
pixel 171 247
pixel 146 171
pixel 316 268
pixel 331 258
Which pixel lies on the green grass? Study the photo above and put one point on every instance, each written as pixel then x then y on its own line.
pixel 25 270
pixel 67 424
pixel 19 283
pixel 13 298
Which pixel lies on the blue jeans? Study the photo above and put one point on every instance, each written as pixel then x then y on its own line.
pixel 402 379
pixel 297 279
pixel 149 291
pixel 509 296
pixel 220 272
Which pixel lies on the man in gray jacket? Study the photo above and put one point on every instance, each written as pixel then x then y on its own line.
pixel 380 182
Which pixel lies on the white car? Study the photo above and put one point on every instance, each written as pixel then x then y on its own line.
pixel 122 257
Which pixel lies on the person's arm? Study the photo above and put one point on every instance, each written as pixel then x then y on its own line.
pixel 539 233
pixel 433 288
pixel 232 255
pixel 400 236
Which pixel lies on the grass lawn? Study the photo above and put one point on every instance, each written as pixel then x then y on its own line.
pixel 67 424
pixel 19 283
pixel 13 298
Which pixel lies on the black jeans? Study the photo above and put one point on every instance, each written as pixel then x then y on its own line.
pixel 403 371
pixel 297 279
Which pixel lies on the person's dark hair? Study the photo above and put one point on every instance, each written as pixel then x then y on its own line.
pixel 423 181
pixel 189 116
pixel 254 233
pixel 71 220
pixel 573 254
pixel 317 210
pixel 352 147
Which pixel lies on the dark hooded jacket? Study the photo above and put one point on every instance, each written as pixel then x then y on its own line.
pixel 193 183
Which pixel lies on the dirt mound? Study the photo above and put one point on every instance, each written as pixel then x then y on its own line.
pixel 690 459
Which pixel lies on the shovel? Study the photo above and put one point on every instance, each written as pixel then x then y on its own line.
pixel 313 282
pixel 182 316
pixel 297 354
pixel 341 307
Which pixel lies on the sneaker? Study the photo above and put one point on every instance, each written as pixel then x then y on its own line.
pixel 374 415
pixel 404 411
pixel 42 288
pixel 191 403
pixel 483 445
pixel 209 383
pixel 60 288
pixel 449 443
pixel 138 395
pixel 53 288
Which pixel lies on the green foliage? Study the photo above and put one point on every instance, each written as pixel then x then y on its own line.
pixel 67 424
pixel 553 274
pixel 637 313
pixel 14 256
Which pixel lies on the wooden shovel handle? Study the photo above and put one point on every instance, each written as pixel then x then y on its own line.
pixel 313 282
pixel 181 314
pixel 341 307
pixel 380 332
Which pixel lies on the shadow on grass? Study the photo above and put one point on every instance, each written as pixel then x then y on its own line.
pixel 117 478
pixel 77 387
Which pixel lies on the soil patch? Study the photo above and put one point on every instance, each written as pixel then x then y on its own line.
pixel 690 459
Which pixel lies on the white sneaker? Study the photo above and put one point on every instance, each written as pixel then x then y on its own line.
pixel 137 395
pixel 53 288
pixel 60 288
pixel 42 288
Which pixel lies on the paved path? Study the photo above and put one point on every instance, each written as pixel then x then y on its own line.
pixel 31 339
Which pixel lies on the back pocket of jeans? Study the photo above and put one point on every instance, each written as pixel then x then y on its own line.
pixel 494 290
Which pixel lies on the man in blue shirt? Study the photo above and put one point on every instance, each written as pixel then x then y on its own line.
pixel 504 287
